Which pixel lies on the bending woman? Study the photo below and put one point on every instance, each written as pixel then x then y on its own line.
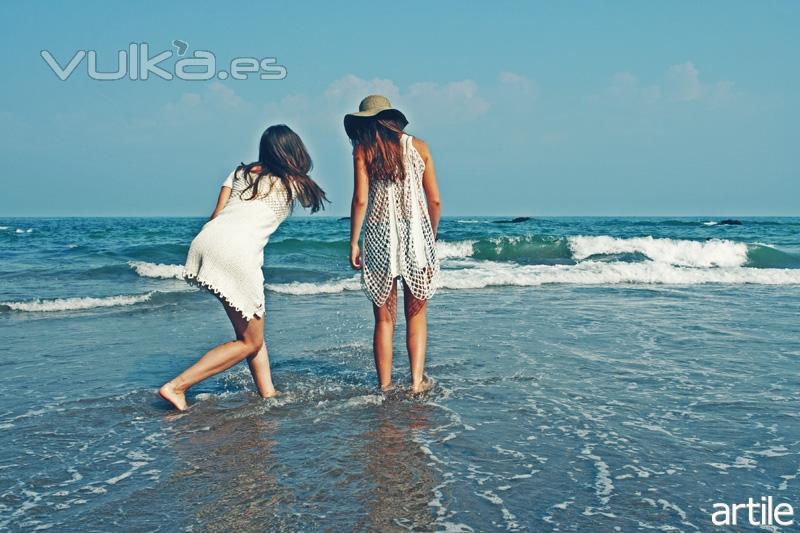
pixel 227 255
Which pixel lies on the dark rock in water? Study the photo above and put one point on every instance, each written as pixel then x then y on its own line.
pixel 345 218
pixel 730 222
pixel 516 220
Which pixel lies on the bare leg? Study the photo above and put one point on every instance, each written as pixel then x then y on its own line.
pixel 259 368
pixel 385 318
pixel 249 339
pixel 416 339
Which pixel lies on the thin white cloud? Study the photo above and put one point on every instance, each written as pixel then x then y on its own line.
pixel 680 83
pixel 444 103
pixel 683 82
pixel 450 102
pixel 626 86
pixel 520 83
pixel 216 98
pixel 351 87
pixel 225 96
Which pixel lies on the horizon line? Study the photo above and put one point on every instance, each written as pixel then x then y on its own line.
pixel 304 215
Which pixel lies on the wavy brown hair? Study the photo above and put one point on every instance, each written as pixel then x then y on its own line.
pixel 281 153
pixel 379 142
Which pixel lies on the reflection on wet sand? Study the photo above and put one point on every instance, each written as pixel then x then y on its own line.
pixel 229 470
pixel 360 467
pixel 399 481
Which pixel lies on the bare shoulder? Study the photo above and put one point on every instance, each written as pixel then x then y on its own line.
pixel 422 147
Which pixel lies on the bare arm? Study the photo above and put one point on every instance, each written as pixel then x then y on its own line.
pixel 224 194
pixel 430 186
pixel 358 207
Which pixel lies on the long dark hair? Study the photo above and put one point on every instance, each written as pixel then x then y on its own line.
pixel 282 154
pixel 378 139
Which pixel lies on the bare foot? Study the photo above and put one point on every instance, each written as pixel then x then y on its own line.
pixel 423 386
pixel 388 388
pixel 177 399
pixel 275 393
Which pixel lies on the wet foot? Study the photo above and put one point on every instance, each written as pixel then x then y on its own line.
pixel 177 399
pixel 274 394
pixel 388 388
pixel 423 386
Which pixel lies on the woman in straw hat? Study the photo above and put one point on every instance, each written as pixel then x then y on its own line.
pixel 396 191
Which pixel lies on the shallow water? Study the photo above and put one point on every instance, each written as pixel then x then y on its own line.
pixel 558 406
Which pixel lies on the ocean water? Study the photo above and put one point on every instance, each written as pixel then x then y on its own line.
pixel 592 374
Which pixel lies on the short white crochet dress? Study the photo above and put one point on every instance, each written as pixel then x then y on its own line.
pixel 227 255
pixel 398 237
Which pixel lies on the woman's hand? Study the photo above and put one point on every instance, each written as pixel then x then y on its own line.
pixel 355 256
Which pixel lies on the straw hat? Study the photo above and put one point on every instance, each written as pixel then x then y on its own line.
pixel 373 105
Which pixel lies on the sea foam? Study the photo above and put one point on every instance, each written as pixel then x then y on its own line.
pixel 482 274
pixel 324 287
pixel 157 270
pixel 489 274
pixel 452 249
pixel 75 304
pixel 679 252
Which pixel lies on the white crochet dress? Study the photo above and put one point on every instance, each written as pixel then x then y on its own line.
pixel 398 237
pixel 227 255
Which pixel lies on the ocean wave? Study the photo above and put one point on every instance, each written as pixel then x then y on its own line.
pixel 156 270
pixel 523 249
pixel 678 252
pixel 474 274
pixel 324 287
pixel 454 249
pixel 548 250
pixel 532 249
pixel 74 304
pixel 491 274
pixel 483 274
pixel 762 255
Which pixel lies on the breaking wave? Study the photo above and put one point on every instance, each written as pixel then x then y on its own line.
pixel 74 304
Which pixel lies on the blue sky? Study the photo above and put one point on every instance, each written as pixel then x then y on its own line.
pixel 556 108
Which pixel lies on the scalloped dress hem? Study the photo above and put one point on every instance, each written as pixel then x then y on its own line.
pixel 197 281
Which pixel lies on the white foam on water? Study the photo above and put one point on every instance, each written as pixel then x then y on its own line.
pixel 75 304
pixel 672 262
pixel 454 249
pixel 20 230
pixel 787 478
pixel 772 451
pixel 128 473
pixel 509 517
pixel 478 275
pixel 298 288
pixel 362 401
pixel 603 485
pixel 678 252
pixel 156 270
